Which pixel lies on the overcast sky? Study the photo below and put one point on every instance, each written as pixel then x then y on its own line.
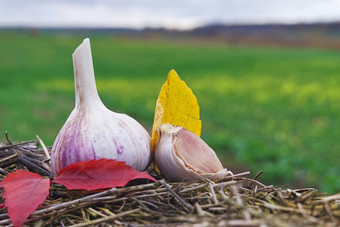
pixel 181 14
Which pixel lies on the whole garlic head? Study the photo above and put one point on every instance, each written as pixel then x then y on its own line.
pixel 92 131
pixel 182 155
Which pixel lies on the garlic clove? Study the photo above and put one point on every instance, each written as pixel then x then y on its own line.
pixel 182 155
pixel 92 131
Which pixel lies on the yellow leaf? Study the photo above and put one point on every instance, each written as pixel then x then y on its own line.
pixel 177 105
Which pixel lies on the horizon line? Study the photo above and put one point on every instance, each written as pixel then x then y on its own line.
pixel 164 27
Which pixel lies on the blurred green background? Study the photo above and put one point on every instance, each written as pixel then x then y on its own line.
pixel 270 108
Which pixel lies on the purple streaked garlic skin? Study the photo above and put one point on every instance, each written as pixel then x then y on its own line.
pixel 181 155
pixel 92 131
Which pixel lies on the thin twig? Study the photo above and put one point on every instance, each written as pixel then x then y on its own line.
pixel 199 210
pixel 213 194
pixel 237 175
pixel 182 202
pixel 240 202
pixel 329 211
pixel 109 218
pixel 258 175
pixel 6 134
pixel 193 188
pixel 33 167
pixel 97 195
pixel 8 158
pixel 331 198
pixel 5 147
pixel 45 149
pixel 308 195
pixel 304 213
pixel 4 172
pixel 40 164
pixel 224 184
pixel 97 212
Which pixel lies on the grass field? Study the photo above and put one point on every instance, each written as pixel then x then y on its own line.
pixel 263 108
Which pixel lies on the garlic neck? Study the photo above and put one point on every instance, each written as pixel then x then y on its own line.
pixel 170 129
pixel 86 94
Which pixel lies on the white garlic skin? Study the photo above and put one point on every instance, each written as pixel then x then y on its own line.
pixel 200 160
pixel 92 131
pixel 100 133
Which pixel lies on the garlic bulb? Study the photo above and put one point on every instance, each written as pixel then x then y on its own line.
pixel 182 155
pixel 92 131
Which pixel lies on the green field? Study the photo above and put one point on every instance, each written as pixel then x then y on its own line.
pixel 262 108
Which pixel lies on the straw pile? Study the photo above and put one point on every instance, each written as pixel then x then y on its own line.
pixel 234 201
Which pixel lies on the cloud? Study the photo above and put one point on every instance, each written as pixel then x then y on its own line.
pixel 154 13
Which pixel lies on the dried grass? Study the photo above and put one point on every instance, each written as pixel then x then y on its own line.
pixel 234 201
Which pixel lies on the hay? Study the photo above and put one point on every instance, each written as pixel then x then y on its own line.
pixel 234 201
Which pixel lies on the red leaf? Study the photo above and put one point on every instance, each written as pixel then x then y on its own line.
pixel 98 174
pixel 24 192
pixel 2 205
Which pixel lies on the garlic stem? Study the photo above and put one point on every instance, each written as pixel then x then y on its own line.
pixel 86 94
